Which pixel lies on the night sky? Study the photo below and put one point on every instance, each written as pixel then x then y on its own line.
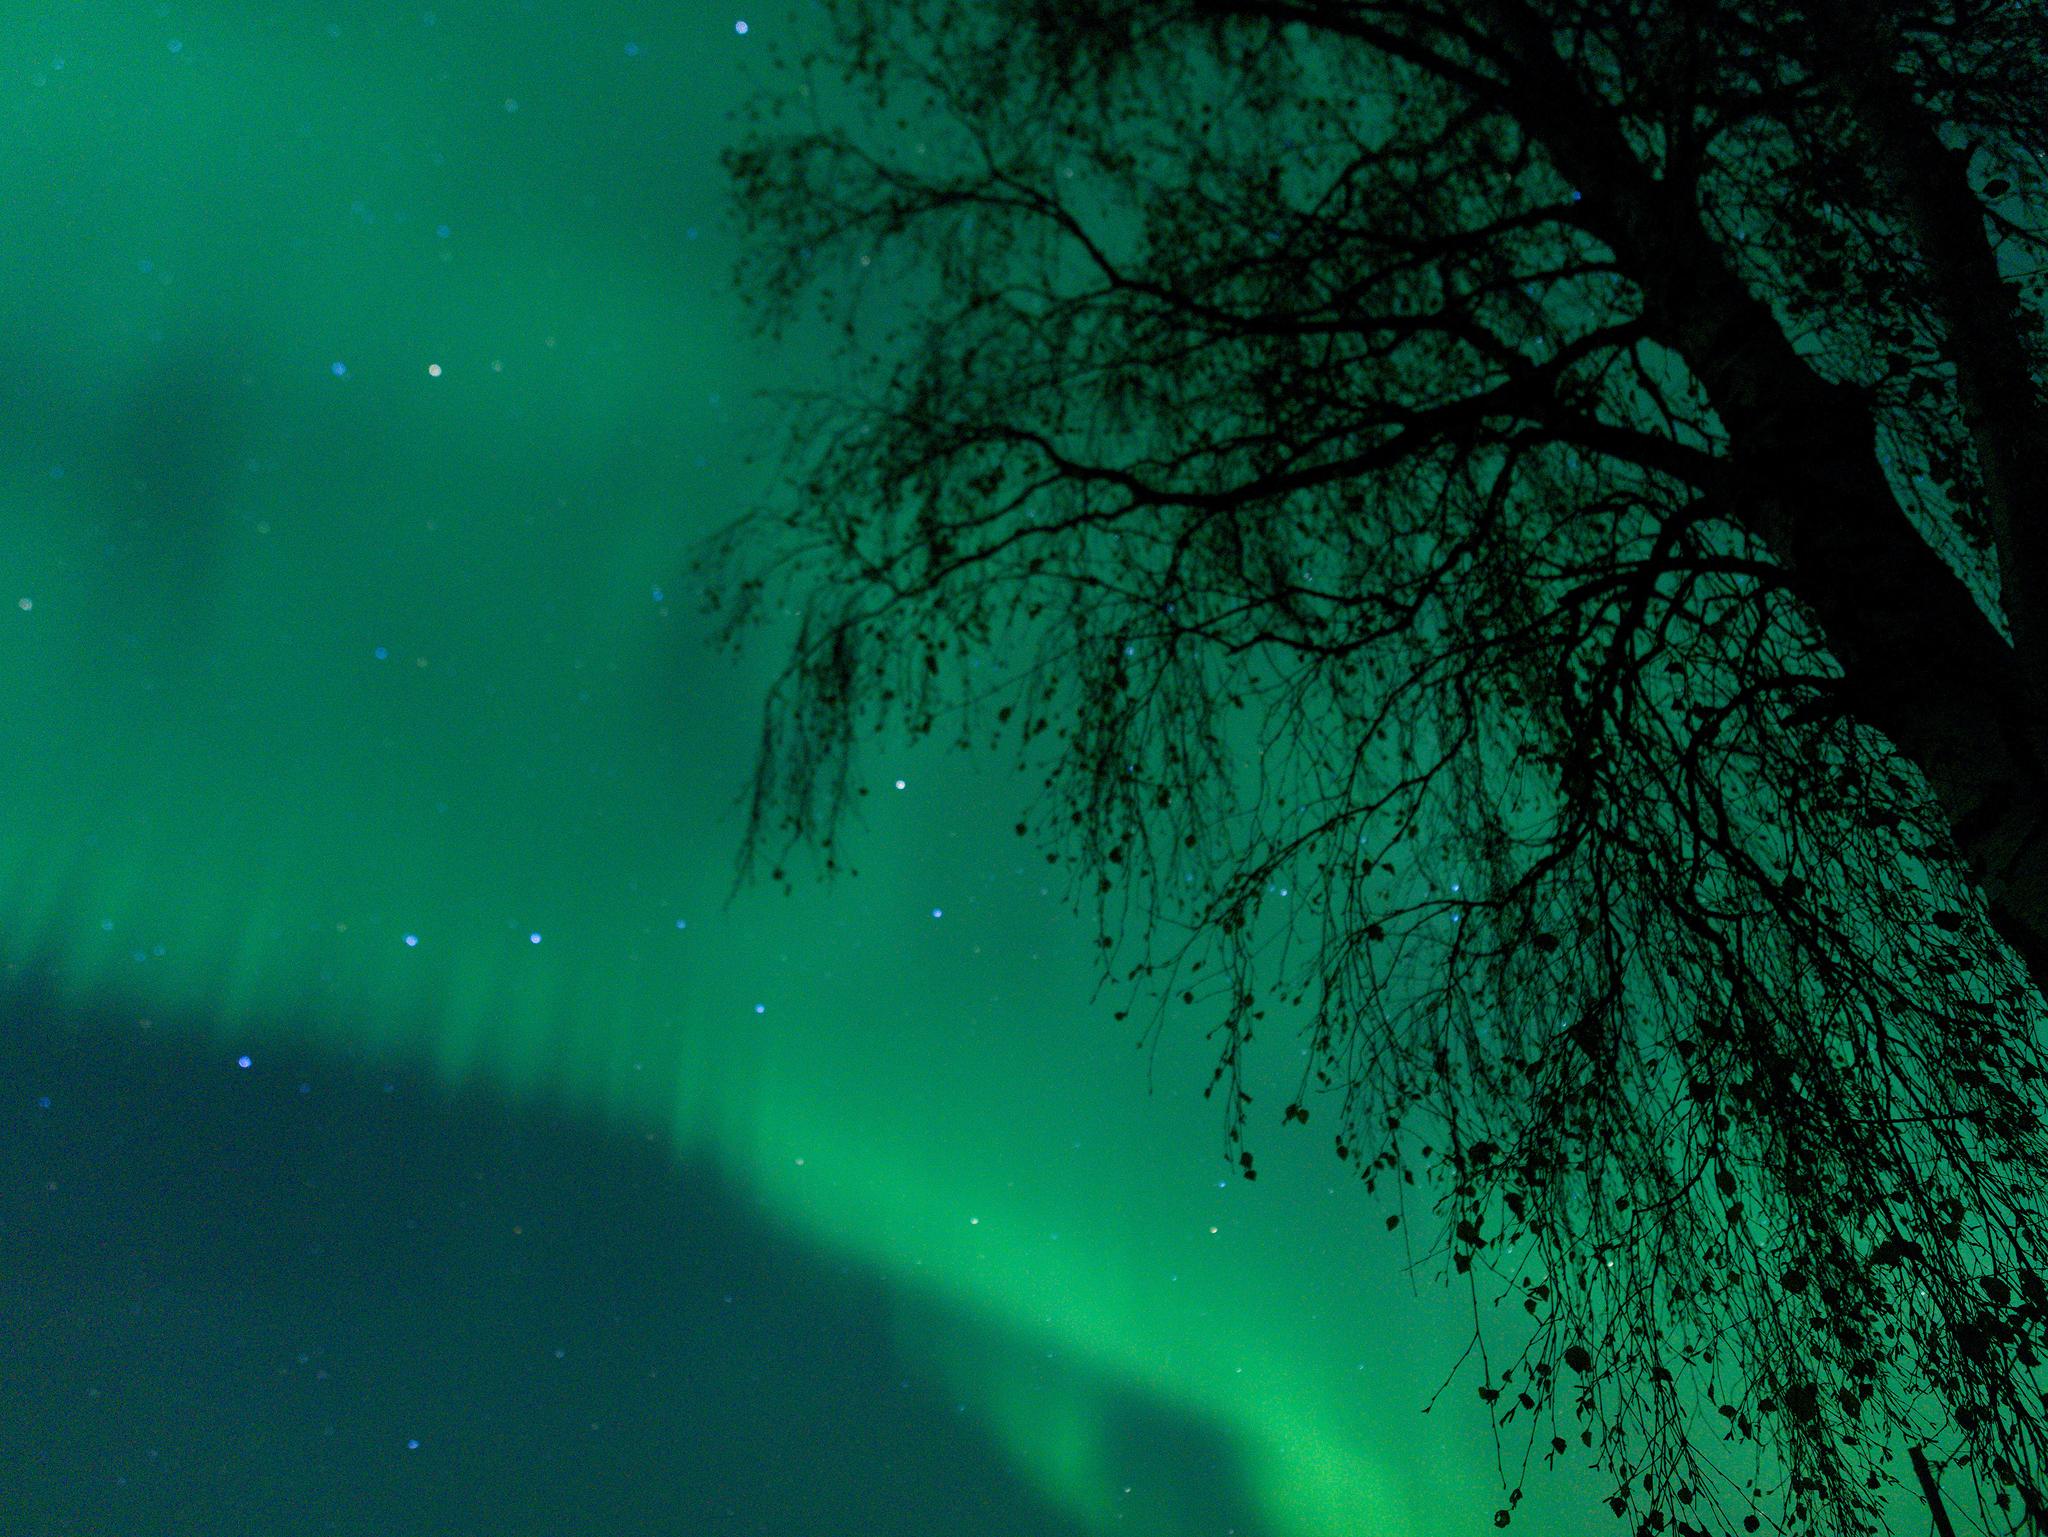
pixel 400 1130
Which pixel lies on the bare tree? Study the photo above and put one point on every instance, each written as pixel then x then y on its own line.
pixel 1510 533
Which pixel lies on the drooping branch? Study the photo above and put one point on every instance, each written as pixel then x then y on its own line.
pixel 1452 572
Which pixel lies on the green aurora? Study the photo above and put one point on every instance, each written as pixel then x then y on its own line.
pixel 369 373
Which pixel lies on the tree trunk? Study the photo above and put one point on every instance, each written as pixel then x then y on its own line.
pixel 1922 663
pixel 2001 403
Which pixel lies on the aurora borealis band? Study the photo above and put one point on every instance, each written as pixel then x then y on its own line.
pixel 368 374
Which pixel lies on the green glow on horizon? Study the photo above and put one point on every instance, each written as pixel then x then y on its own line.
pixel 224 806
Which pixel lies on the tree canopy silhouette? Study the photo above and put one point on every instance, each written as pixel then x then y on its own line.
pixel 1510 534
